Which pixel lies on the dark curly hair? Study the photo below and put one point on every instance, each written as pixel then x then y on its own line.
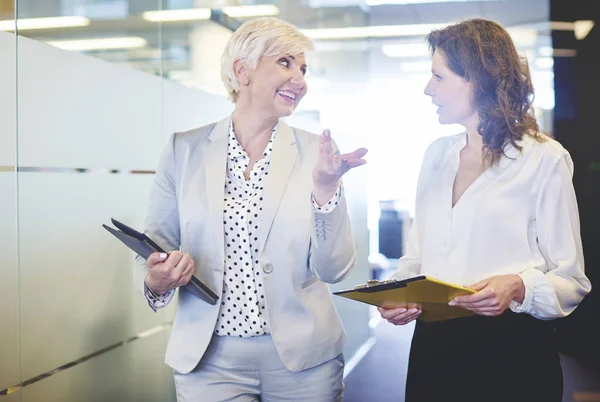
pixel 483 53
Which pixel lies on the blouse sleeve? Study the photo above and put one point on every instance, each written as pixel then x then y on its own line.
pixel 557 292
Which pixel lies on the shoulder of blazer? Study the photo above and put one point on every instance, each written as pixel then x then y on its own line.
pixel 193 136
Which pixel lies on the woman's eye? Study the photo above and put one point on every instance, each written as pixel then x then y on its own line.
pixel 284 62
pixel 437 77
pixel 303 71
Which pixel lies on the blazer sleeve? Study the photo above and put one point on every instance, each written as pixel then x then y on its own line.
pixel 162 221
pixel 332 250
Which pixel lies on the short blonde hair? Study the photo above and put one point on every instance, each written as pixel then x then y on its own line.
pixel 256 38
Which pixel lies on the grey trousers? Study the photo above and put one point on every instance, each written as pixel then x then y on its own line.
pixel 236 369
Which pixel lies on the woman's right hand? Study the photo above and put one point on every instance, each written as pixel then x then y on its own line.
pixel 399 316
pixel 167 272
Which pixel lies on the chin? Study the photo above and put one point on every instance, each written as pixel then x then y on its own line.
pixel 445 120
pixel 285 112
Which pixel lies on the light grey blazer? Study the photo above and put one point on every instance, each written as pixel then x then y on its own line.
pixel 299 249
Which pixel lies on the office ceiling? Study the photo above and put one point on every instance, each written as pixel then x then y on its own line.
pixel 123 18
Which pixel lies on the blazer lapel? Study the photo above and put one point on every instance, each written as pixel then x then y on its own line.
pixel 282 164
pixel 215 157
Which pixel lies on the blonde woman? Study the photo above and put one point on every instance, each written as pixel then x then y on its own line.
pixel 259 213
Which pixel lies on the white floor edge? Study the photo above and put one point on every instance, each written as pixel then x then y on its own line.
pixel 358 356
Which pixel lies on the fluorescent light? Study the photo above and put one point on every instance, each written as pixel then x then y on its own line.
pixel 562 26
pixel 380 31
pixel 406 50
pixel 544 62
pixel 127 42
pixel 565 52
pixel 415 66
pixel 581 28
pixel 383 2
pixel 259 10
pixel 24 24
pixel 190 14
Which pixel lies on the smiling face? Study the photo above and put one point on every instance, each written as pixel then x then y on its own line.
pixel 451 93
pixel 277 84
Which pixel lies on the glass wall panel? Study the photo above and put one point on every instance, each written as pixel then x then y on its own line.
pixel 117 31
pixel 134 372
pixel 9 340
pixel 76 280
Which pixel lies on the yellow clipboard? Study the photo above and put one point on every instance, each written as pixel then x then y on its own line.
pixel 430 294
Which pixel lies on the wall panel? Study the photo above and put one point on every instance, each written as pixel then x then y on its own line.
pixel 9 345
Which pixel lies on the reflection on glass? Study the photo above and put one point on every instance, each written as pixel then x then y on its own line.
pixel 112 30
pixel 9 297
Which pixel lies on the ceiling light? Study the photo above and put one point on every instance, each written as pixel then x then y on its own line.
pixel 24 24
pixel 581 28
pixel 406 50
pixel 565 52
pixel 127 42
pixel 403 2
pixel 562 26
pixel 190 14
pixel 259 10
pixel 381 31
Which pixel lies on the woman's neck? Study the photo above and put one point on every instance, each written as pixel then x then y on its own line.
pixel 251 126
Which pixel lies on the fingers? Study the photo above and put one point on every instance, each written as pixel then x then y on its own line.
pixel 174 259
pixel 480 285
pixel 156 258
pixel 357 154
pixel 481 295
pixel 400 316
pixel 391 312
pixel 491 302
pixel 403 319
pixel 353 159
pixel 325 144
pixel 186 273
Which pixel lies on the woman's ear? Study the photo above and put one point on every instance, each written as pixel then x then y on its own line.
pixel 241 73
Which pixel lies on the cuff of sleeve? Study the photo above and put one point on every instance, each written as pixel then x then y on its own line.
pixel 157 301
pixel 330 205
pixel 528 278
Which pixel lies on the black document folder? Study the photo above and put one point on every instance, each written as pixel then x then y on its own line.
pixel 144 246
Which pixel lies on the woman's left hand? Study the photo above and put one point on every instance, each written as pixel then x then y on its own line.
pixel 493 296
pixel 331 167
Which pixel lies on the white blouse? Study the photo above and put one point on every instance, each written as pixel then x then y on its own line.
pixel 519 217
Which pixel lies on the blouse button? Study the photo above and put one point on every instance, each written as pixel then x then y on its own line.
pixel 268 268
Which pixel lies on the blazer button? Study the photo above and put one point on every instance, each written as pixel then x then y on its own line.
pixel 268 268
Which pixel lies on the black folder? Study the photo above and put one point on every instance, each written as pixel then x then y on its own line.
pixel 144 246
